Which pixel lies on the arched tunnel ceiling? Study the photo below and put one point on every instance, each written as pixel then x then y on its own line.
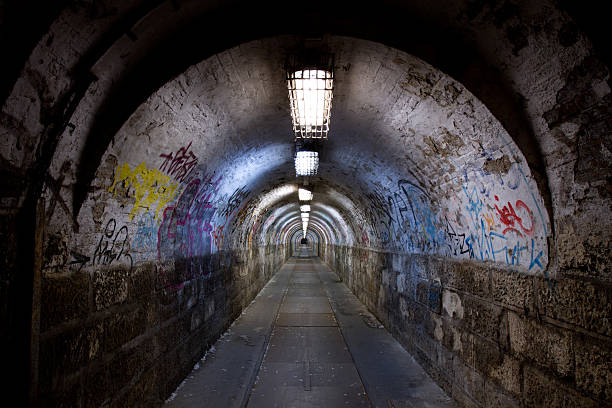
pixel 443 156
pixel 414 162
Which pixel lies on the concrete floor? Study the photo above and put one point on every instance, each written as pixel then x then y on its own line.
pixel 306 341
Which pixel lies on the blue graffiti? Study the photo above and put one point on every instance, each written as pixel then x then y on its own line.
pixel 145 238
pixel 536 260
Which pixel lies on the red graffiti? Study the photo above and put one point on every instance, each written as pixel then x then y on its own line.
pixel 217 234
pixel 509 217
pixel 180 164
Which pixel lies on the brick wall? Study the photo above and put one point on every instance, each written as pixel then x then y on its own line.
pixel 111 336
pixel 489 336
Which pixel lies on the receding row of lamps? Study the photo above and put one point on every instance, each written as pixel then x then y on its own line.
pixel 310 79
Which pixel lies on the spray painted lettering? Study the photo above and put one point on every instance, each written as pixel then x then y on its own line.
pixel 180 164
pixel 151 188
pixel 114 246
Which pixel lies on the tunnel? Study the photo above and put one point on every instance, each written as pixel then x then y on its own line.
pixel 457 236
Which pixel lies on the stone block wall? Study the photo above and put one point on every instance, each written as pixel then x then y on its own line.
pixel 113 337
pixel 489 336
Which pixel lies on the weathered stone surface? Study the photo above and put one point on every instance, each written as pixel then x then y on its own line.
pixel 468 277
pixel 82 344
pixel 122 326
pixel 513 289
pixel 472 382
pixel 110 286
pixel 548 346
pixel 508 374
pixel 594 368
pixel 541 390
pixel 55 290
pixel 478 347
pixel 481 317
pixel 497 397
pixel 576 301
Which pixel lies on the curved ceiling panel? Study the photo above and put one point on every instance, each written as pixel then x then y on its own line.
pixel 414 162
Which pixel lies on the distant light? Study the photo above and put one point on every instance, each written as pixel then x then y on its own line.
pixel 305 216
pixel 304 195
pixel 305 208
pixel 306 163
pixel 310 96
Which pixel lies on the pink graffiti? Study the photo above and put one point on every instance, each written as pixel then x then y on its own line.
pixel 180 164
pixel 365 239
pixel 509 217
pixel 190 215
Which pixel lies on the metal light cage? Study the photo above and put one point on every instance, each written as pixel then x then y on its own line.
pixel 310 80
pixel 306 163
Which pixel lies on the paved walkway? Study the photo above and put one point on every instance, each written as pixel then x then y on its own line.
pixel 306 341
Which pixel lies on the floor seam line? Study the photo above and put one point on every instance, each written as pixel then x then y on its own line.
pixel 247 397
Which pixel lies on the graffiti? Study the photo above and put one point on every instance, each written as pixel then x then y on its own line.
pixel 456 241
pixel 536 260
pixel 149 187
pixel 256 223
pixel 145 238
pixel 180 164
pixel 217 234
pixel 234 201
pixel 409 219
pixel 482 245
pixel 112 246
pixel 474 204
pixel 482 228
pixel 435 296
pixel 365 239
pixel 485 182
pixel 185 229
pixel 79 259
pixel 382 213
pixel 509 217
pixel 490 221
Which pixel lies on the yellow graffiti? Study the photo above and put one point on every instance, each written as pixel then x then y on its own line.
pixel 490 221
pixel 150 187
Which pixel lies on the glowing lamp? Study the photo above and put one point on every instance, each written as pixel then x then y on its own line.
pixel 304 195
pixel 310 96
pixel 305 208
pixel 306 163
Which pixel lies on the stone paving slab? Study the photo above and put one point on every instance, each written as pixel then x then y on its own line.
pixel 391 376
pixel 225 377
pixel 306 319
pixel 307 341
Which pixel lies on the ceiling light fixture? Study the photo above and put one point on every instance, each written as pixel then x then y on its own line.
pixel 304 195
pixel 306 163
pixel 310 80
pixel 305 208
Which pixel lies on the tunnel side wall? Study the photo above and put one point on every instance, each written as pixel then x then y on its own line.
pixel 127 338
pixel 489 337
